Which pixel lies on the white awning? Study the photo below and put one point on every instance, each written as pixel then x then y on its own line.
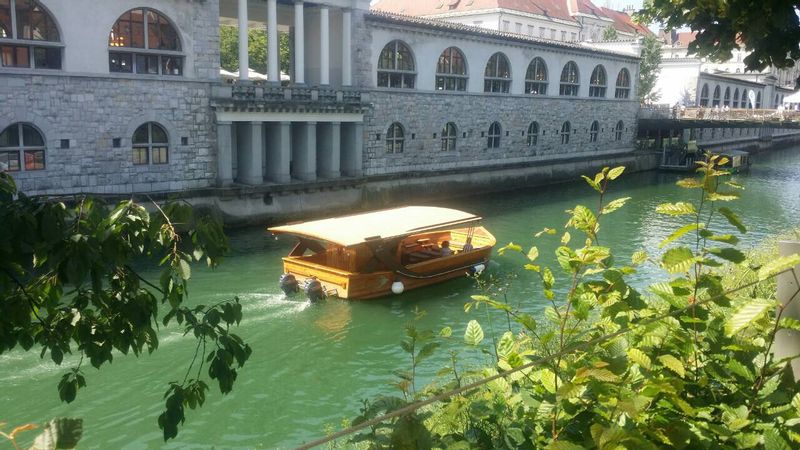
pixel 355 229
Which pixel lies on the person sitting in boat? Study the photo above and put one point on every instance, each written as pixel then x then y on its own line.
pixel 445 250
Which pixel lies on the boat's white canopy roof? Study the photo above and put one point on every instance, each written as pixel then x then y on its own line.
pixel 355 229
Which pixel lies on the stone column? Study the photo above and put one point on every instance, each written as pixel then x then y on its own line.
pixel 352 149
pixel 279 151
pixel 273 67
pixel 224 154
pixel 328 149
pixel 347 63
pixel 299 44
pixel 250 153
pixel 324 47
pixel 304 149
pixel 244 62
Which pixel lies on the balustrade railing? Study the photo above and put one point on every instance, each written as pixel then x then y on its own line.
pixel 762 115
pixel 255 92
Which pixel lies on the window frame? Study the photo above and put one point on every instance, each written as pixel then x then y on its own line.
pixel 716 97
pixel 758 100
pixel 623 90
pixel 533 134
pixel 449 137
pixel 491 82
pixel 703 99
pixel 726 97
pixel 598 82
pixel 594 131
pixel 20 48
pixel 395 142
pixel 449 80
pixel 566 87
pixel 534 85
pixel 407 77
pixel 494 135
pixel 22 151
pixel 148 149
pixel 566 130
pixel 735 103
pixel 618 130
pixel 120 53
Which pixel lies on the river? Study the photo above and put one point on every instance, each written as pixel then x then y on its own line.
pixel 312 364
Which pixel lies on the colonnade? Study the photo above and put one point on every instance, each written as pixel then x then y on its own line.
pixel 299 48
pixel 281 152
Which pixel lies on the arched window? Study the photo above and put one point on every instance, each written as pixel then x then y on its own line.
pixel 715 100
pixel 777 99
pixel 735 98
pixel 744 98
pixel 704 95
pixel 150 144
pixel 395 138
pixel 494 135
pixel 22 142
pixel 396 66
pixel 449 135
pixel 497 76
pixel 618 131
pixel 451 71
pixel 726 99
pixel 536 77
pixel 623 84
pixel 593 131
pixel 533 134
pixel 31 39
pixel 758 100
pixel 570 80
pixel 566 128
pixel 597 83
pixel 144 41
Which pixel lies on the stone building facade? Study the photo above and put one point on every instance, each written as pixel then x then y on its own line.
pixel 129 98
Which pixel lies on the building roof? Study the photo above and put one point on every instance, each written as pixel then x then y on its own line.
pixel 358 228
pixel 557 9
pixel 624 23
pixel 586 7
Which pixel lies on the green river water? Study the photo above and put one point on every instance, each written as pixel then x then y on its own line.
pixel 312 364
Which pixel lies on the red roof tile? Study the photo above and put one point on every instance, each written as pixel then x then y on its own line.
pixel 557 9
pixel 624 23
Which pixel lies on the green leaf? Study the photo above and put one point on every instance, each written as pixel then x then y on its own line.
pixel 796 402
pixel 614 173
pixel 184 270
pixel 733 219
pixel 677 260
pixel 592 183
pixel 746 314
pixel 673 364
pixel 639 257
pixel 722 196
pixel 729 254
pixel 474 333
pixel 639 357
pixel 506 345
pixel 774 441
pixel 548 380
pixel 565 238
pixel 563 445
pixel 676 209
pixel 726 238
pixel 446 332
pixel 511 246
pixel 689 183
pixel 777 266
pixel 614 205
pixel 678 233
pixel 533 253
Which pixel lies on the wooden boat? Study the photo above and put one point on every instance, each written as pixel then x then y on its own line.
pixel 377 253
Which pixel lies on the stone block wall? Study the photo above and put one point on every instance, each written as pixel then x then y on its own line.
pixel 91 112
pixel 423 114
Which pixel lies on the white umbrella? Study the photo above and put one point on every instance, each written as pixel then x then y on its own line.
pixel 225 75
pixel 253 75
pixel 794 98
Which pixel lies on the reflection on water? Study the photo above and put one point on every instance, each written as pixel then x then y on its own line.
pixel 312 363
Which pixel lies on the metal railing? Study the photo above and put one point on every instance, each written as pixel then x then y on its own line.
pixel 759 115
pixel 269 93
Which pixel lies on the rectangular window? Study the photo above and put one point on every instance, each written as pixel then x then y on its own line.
pixel 47 58
pixel 120 62
pixel 552 33
pixel 530 30
pixel 506 25
pixel 563 35
pixel 34 159
pixel 541 32
pixel 147 64
pixel 171 65
pixel 160 155
pixel 518 27
pixel 15 56
pixel 573 37
pixel 10 159
pixel 5 19
pixel 140 155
